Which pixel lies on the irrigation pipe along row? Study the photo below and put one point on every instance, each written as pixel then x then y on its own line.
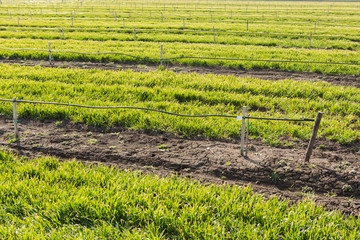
pixel 242 118
pixel 175 58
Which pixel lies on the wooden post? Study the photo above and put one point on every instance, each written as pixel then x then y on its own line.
pixel 315 29
pixel 161 57
pixel 214 34
pixel 123 22
pixel 183 23
pixel 247 25
pixel 310 40
pixel 243 131
pixel 16 130
pixel 162 17
pixel 72 20
pixel 135 33
pixel 313 136
pixel 62 28
pixel 50 53
pixel 18 21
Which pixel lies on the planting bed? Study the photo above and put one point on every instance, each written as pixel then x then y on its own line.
pixel 265 74
pixel 331 178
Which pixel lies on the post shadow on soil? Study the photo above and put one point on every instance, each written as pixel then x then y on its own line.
pixel 247 158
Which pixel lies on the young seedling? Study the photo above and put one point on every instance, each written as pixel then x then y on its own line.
pixel 163 147
pixel 92 141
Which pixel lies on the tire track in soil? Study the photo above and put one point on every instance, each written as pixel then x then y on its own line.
pixel 270 171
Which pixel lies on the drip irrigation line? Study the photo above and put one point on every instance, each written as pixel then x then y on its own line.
pixel 210 31
pixel 156 110
pixel 282 119
pixel 190 57
pixel 199 20
pixel 305 35
pixel 262 60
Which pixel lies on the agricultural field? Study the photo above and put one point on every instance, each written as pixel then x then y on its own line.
pixel 47 198
pixel 111 171
pixel 263 35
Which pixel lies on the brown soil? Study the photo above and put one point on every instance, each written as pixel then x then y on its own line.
pixel 331 178
pixel 266 74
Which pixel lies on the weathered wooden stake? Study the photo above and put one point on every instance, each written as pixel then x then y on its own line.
pixel 313 136
pixel 123 22
pixel 310 40
pixel 16 130
pixel 18 21
pixel 315 29
pixel 62 28
pixel 183 23
pixel 247 25
pixel 135 33
pixel 50 53
pixel 243 131
pixel 214 34
pixel 161 61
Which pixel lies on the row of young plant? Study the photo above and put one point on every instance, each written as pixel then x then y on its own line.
pixel 250 25
pixel 46 198
pixel 340 13
pixel 187 36
pixel 187 94
pixel 188 54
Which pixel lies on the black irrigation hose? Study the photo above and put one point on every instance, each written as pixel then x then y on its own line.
pixel 174 58
pixel 156 110
pixel 173 30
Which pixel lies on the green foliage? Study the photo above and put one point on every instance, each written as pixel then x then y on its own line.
pixel 275 177
pixel 276 31
pixel 43 198
pixel 184 93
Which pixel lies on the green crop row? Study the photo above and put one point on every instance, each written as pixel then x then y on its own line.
pixel 150 50
pixel 187 94
pixel 328 13
pixel 47 199
pixel 257 25
pixel 184 36
pixel 255 30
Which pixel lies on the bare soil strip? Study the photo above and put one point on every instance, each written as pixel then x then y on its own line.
pixel 266 74
pixel 332 178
